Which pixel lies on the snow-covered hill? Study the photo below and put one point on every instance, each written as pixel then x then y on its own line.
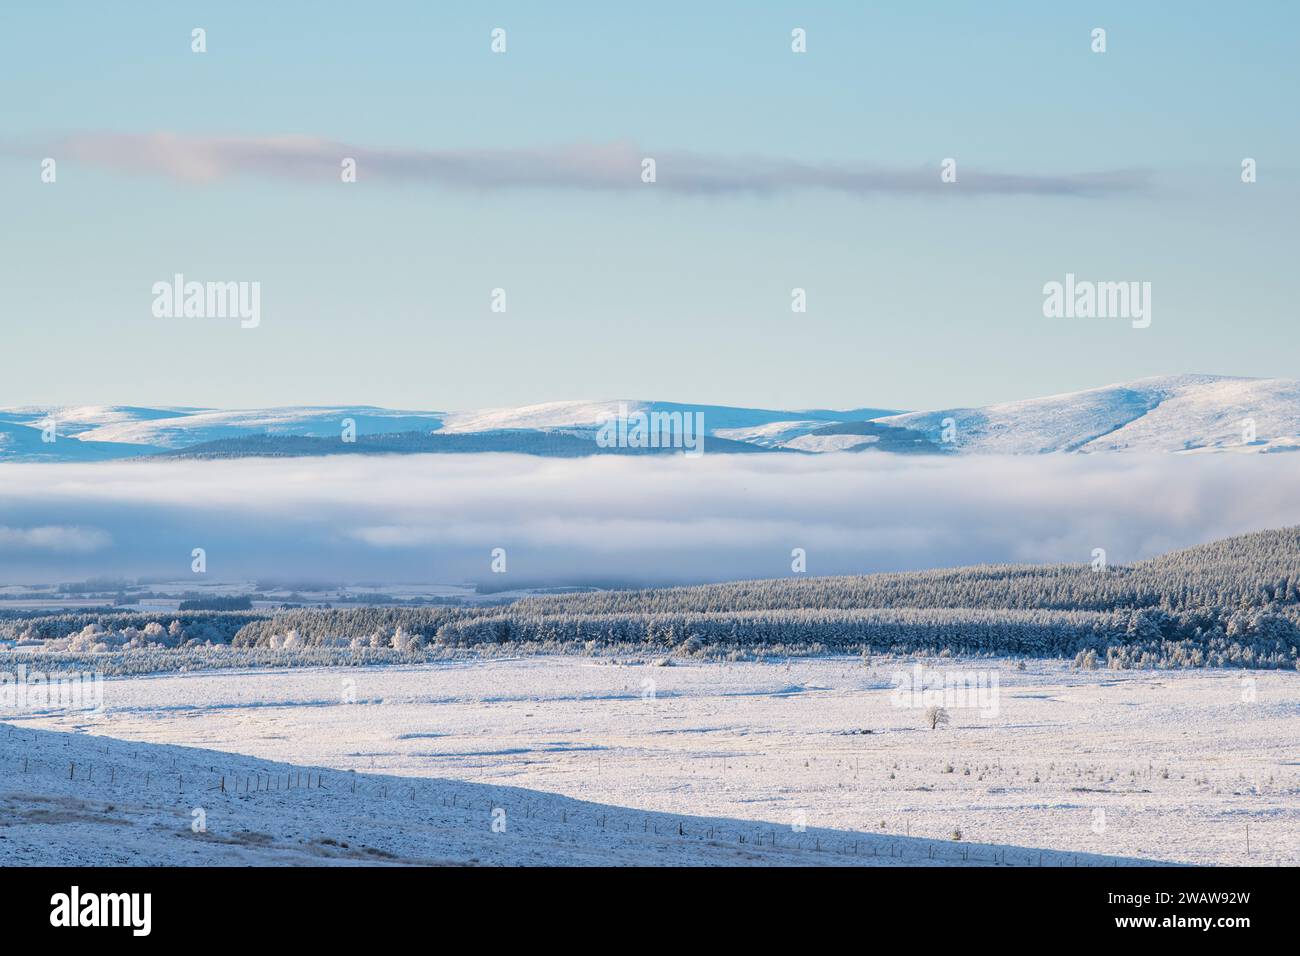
pixel 19 442
pixel 195 426
pixel 1177 413
pixel 100 432
pixel 756 425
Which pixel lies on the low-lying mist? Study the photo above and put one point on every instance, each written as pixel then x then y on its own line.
pixel 437 518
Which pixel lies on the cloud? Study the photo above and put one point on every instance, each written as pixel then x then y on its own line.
pixel 54 538
pixel 609 167
pixel 661 519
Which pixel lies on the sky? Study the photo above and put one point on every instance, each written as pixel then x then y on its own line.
pixel 521 171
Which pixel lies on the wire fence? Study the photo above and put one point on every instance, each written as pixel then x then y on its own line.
pixel 121 769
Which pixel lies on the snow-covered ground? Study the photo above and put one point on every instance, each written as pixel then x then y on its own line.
pixel 1173 766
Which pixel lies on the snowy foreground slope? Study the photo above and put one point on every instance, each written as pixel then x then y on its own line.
pixel 1174 413
pixel 72 799
pixel 707 763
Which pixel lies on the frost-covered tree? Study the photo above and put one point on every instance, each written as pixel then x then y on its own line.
pixel 934 716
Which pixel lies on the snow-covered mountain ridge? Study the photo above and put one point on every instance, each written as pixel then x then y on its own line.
pixel 1176 413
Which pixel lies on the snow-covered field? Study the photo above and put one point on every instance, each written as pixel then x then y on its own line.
pixel 608 762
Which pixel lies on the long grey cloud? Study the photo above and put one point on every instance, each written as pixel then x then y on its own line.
pixel 718 517
pixel 609 167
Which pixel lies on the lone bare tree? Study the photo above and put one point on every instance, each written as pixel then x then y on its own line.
pixel 934 716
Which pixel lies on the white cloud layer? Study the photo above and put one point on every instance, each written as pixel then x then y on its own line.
pixel 718 517
pixel 603 166
pixel 54 538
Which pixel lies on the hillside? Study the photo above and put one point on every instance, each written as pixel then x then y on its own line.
pixel 1234 602
pixel 1176 413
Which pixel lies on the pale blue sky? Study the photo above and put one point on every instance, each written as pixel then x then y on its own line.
pixel 378 292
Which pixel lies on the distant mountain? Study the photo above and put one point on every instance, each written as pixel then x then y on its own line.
pixel 1176 413
pixel 520 442
pixel 20 442
pixel 195 426
pixel 558 429
pixel 1179 413
pixel 759 426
